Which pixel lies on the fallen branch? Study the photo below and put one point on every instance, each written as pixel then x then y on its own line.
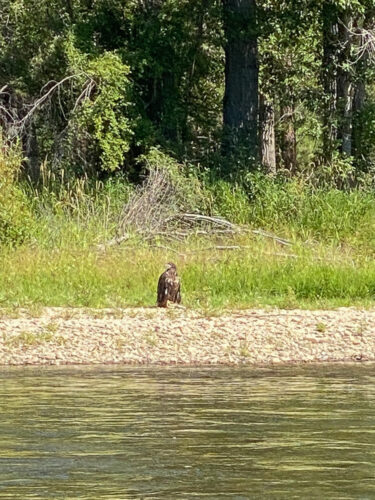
pixel 169 249
pixel 219 221
pixel 114 241
pixel 265 234
pixel 243 247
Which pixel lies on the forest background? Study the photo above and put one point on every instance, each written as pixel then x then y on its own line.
pixel 236 137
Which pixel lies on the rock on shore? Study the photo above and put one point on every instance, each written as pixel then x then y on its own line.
pixel 177 336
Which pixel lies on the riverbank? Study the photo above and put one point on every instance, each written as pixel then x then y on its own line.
pixel 56 336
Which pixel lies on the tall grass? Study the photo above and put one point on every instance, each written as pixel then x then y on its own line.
pixel 76 212
pixel 57 261
pixel 293 207
pixel 124 277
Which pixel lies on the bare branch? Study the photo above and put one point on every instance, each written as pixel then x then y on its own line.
pixel 39 102
pixel 265 234
pixel 365 42
pixel 86 92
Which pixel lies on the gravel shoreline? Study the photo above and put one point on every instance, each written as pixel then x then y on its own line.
pixel 137 336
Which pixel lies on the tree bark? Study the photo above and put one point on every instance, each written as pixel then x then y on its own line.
pixel 329 80
pixel 289 140
pixel 344 87
pixel 32 153
pixel 359 98
pixel 337 80
pixel 240 111
pixel 267 135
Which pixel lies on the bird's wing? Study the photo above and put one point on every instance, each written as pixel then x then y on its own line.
pixel 162 289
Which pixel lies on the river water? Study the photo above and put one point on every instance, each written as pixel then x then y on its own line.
pixel 98 433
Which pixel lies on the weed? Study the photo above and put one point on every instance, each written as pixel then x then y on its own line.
pixel 51 327
pixel 30 339
pixel 120 343
pixel 244 350
pixel 151 339
pixel 321 327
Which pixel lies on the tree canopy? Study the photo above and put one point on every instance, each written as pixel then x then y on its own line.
pixel 232 85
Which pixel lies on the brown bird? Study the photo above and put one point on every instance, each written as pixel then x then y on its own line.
pixel 169 286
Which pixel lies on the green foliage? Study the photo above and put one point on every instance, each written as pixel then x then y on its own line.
pixel 15 217
pixel 151 74
pixel 231 201
pixel 106 117
pixel 308 211
pixel 76 212
pixel 187 191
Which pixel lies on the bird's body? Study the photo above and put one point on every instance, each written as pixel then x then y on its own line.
pixel 169 288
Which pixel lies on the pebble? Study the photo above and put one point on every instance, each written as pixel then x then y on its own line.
pixel 153 336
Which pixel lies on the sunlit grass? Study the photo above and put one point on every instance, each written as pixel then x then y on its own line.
pixel 261 274
pixel 330 262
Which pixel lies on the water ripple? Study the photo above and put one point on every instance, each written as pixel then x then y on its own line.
pixel 153 433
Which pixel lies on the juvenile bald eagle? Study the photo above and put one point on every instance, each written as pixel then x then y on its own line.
pixel 169 286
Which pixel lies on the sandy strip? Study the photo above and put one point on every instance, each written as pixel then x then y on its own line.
pixel 174 336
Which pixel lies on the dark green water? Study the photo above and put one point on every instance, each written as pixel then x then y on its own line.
pixel 188 433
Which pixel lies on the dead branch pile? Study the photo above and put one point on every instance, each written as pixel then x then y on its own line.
pixel 161 208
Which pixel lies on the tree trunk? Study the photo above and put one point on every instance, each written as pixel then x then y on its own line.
pixel 359 98
pixel 267 135
pixel 337 80
pixel 344 87
pixel 240 111
pixel 329 80
pixel 289 141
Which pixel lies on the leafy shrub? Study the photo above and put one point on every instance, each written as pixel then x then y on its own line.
pixel 106 116
pixel 15 216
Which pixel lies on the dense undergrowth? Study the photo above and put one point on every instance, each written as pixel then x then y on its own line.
pixel 50 235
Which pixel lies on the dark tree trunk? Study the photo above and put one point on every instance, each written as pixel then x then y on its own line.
pixel 288 140
pixel 337 81
pixel 267 135
pixel 240 111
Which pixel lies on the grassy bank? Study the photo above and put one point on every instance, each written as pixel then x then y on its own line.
pixel 254 276
pixel 51 234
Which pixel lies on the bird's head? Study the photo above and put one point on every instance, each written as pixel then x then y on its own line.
pixel 170 265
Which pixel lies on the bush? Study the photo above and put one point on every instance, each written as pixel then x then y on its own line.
pixel 168 190
pixel 15 216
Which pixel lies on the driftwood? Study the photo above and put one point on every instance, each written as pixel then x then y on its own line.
pixel 188 224
pixel 158 212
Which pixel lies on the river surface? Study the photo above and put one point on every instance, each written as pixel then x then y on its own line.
pixel 98 433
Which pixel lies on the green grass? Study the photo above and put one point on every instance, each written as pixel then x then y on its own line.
pixel 58 262
pixel 318 276
pixel 30 339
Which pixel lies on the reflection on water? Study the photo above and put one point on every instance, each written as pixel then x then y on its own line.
pixel 188 433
